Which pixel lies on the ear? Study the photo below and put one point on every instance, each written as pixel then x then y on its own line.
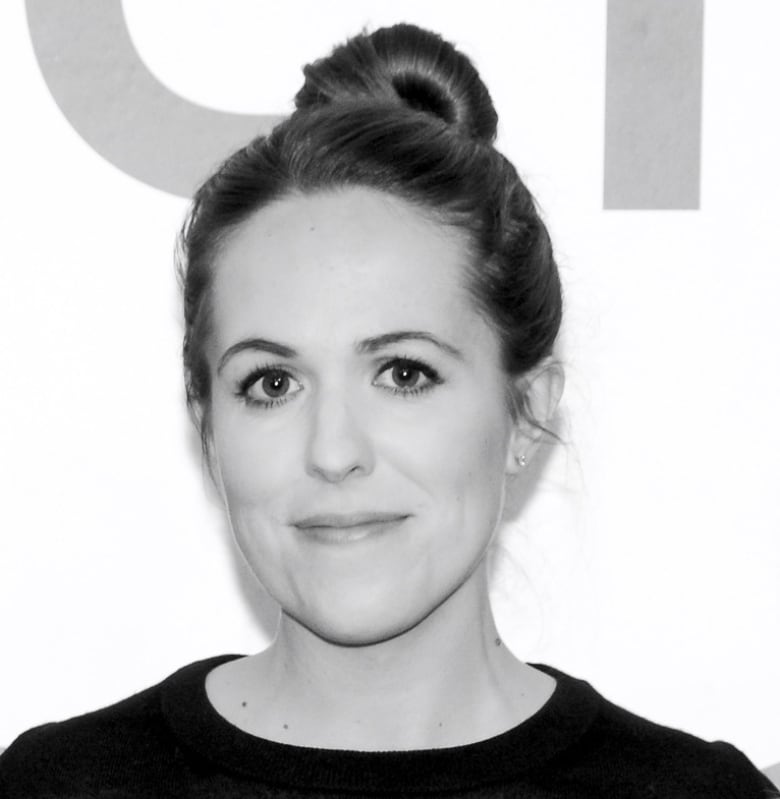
pixel 536 396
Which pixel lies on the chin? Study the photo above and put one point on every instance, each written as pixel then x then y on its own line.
pixel 361 624
pixel 351 634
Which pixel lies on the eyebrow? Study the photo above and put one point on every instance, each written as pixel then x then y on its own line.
pixel 366 346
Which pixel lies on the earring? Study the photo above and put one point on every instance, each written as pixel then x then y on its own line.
pixel 521 461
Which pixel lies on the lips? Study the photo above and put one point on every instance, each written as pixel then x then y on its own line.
pixel 347 520
pixel 349 529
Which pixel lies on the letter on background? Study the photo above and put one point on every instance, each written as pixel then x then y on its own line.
pixel 652 131
pixel 119 107
pixel 652 124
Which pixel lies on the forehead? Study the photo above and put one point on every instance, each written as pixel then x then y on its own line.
pixel 354 263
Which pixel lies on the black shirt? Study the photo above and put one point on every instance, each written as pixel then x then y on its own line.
pixel 169 741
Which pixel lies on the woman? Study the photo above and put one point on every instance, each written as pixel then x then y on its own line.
pixel 371 304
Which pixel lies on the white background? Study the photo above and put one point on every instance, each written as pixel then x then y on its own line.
pixel 648 560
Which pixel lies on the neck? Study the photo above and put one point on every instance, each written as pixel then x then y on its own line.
pixel 447 681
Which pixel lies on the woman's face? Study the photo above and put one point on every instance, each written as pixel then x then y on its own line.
pixel 351 375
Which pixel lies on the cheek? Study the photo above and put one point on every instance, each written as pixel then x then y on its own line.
pixel 253 463
pixel 461 468
pixel 254 478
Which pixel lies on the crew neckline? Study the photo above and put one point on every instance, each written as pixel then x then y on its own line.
pixel 557 725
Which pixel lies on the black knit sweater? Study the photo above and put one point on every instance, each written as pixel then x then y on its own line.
pixel 168 741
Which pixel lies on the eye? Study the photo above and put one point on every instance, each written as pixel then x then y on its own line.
pixel 409 376
pixel 269 386
pixel 266 386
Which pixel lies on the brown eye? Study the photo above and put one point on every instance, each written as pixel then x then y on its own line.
pixel 275 384
pixel 266 387
pixel 405 376
pixel 409 377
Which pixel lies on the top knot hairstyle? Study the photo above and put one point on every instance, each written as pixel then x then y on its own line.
pixel 401 111
pixel 408 66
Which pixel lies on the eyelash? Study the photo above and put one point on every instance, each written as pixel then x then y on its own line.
pixel 410 363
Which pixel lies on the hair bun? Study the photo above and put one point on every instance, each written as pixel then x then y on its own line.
pixel 406 64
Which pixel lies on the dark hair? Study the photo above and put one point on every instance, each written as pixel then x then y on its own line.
pixel 402 111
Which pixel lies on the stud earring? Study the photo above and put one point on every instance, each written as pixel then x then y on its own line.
pixel 521 461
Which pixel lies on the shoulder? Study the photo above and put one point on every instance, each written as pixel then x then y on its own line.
pixel 118 745
pixel 619 753
pixel 673 762
pixel 82 752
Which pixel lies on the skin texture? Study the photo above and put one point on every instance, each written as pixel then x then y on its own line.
pixel 397 622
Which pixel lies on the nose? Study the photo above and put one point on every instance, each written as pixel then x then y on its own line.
pixel 337 446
